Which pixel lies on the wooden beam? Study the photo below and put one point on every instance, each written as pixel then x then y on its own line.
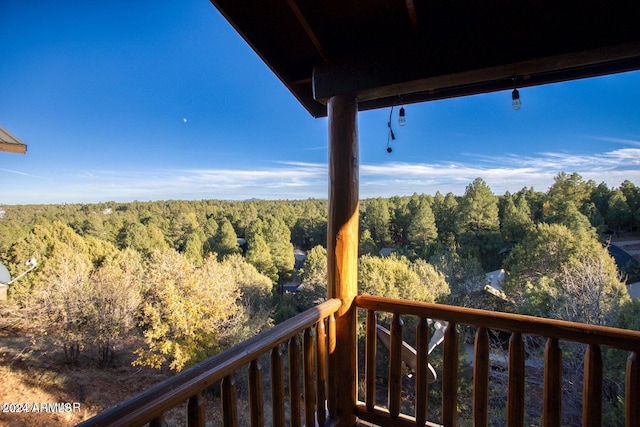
pixel 307 28
pixel 342 249
pixel 10 143
pixel 413 16
pixel 13 148
pixel 379 81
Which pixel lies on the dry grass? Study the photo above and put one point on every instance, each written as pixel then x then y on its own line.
pixel 34 372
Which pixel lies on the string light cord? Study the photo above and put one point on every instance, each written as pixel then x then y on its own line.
pixel 390 136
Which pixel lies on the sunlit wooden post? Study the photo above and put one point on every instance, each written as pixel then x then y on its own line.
pixel 342 250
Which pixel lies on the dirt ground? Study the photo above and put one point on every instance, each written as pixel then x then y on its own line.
pixel 38 389
pixel 47 392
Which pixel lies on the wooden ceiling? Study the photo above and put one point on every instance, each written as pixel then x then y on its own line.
pixel 388 52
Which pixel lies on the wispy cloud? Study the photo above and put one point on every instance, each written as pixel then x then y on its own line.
pixel 625 141
pixel 298 180
pixel 19 173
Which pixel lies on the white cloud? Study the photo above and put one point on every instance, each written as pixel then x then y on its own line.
pixel 297 180
pixel 625 141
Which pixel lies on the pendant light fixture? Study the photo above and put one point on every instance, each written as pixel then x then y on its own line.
pixel 516 104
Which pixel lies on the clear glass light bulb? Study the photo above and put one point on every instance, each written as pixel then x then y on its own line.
pixel 401 118
pixel 516 104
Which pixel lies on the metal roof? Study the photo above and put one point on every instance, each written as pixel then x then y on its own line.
pixel 10 143
pixel 388 52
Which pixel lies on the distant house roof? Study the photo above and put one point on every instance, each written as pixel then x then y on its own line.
pixel 634 290
pixel 299 255
pixel 10 143
pixel 385 252
pixel 494 284
pixel 495 278
pixel 292 287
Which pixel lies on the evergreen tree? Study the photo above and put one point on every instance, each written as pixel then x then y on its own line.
pixel 225 241
pixel 478 227
pixel 619 215
pixel 278 238
pixel 367 246
pixel 560 273
pixel 193 247
pixel 376 220
pixel 570 188
pixel 568 215
pixel 478 209
pixel 600 198
pixel 445 211
pixel 314 279
pixel 259 255
pixel 632 195
pixel 516 220
pixel 421 230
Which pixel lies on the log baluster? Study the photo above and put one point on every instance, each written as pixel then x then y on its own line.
pixel 450 376
pixel 256 402
pixel 195 411
pixel 309 380
pixel 592 387
pixel 370 361
pixel 515 393
pixel 422 362
pixel 158 421
pixel 331 344
pixel 277 386
pixel 552 398
pixel 481 378
pixel 632 391
pixel 229 402
pixel 321 372
pixel 395 366
pixel 294 381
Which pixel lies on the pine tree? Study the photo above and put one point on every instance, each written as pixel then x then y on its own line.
pixel 225 241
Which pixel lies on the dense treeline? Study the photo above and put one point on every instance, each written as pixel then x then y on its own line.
pixel 194 277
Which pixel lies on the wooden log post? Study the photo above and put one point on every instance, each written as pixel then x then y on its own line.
pixel 321 372
pixel 422 377
pixel 277 386
pixel 481 378
pixel 552 396
pixel 195 411
pixel 450 376
pixel 515 397
pixel 592 387
pixel 632 391
pixel 370 361
pixel 342 250
pixel 395 367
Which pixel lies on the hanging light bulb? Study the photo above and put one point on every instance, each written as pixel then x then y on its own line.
pixel 516 104
pixel 401 118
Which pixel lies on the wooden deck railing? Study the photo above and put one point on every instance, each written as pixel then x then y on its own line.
pixel 313 394
pixel 151 405
pixel 595 337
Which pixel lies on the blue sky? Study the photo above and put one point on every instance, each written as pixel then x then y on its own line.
pixel 138 100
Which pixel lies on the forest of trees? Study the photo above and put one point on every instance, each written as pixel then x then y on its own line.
pixel 191 278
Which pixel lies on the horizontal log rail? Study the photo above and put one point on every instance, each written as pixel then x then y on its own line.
pixel 151 405
pixel 595 337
